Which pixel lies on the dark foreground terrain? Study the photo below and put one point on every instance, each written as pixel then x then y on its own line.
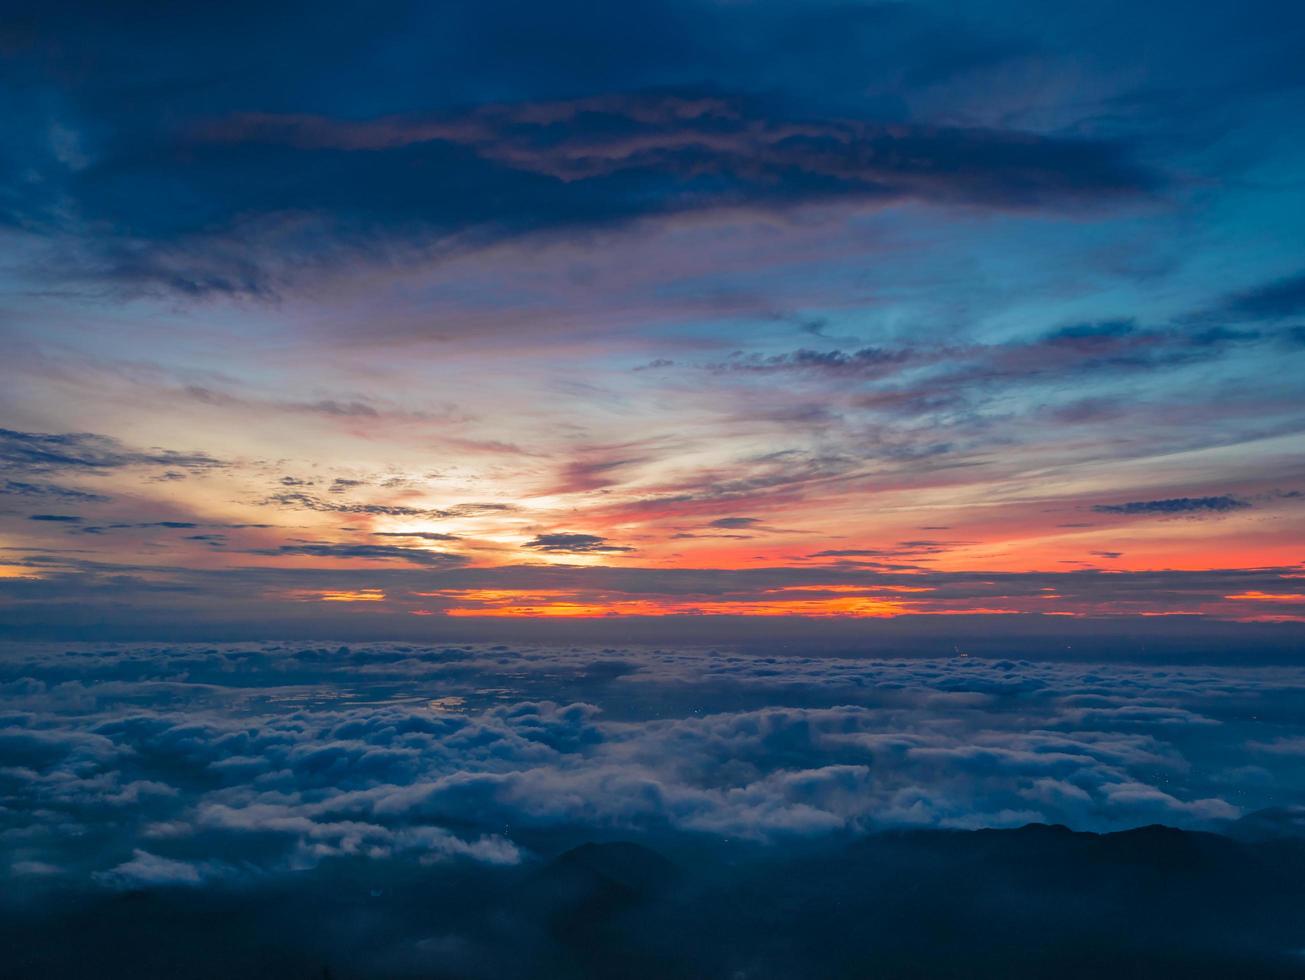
pixel 1038 901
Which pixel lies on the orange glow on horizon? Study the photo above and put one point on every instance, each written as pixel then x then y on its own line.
pixel 560 604
pixel 831 600
pixel 358 595
pixel 556 603
pixel 1256 596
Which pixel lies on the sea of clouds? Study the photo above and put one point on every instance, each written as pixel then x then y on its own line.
pixel 129 765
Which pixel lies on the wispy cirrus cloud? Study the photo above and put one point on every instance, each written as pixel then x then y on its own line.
pixel 25 489
pixel 84 452
pixel 306 501
pixel 366 552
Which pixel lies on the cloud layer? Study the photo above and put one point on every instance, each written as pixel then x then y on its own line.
pixel 157 765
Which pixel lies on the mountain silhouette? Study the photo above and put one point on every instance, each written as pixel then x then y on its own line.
pixel 1029 902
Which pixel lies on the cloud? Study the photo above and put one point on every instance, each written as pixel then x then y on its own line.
pixel 335 408
pixel 98 529
pixel 869 362
pixel 1270 301
pixel 81 452
pixel 951 398
pixel 1090 334
pixel 146 869
pixel 56 518
pixel 306 501
pixel 735 522
pixel 369 552
pixel 620 151
pixel 1176 505
pixel 352 409
pixel 754 155
pixel 598 468
pixel 20 488
pixel 215 761
pixel 423 535
pixel 572 543
pixel 852 553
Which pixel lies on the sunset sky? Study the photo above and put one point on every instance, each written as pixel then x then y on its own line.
pixel 412 313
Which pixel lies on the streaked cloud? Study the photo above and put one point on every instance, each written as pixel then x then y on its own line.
pixel 1176 505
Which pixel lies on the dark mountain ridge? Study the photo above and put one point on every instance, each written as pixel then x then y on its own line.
pixel 1036 901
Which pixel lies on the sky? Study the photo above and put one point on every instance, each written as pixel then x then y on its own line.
pixel 453 320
